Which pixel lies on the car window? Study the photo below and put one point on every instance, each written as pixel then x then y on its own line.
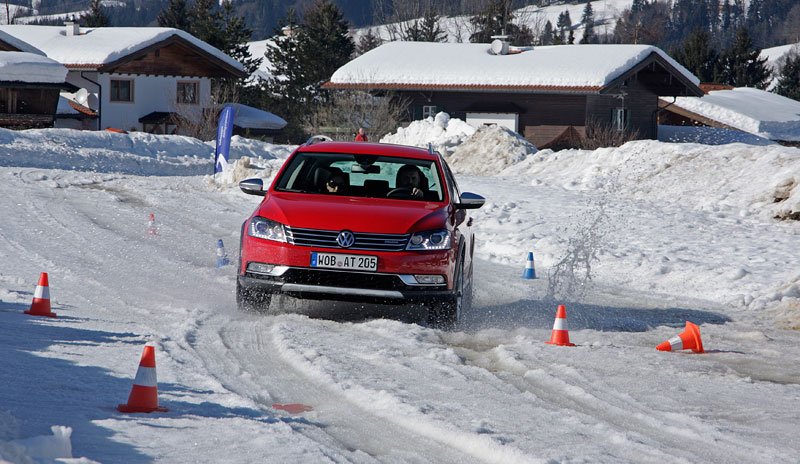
pixel 362 176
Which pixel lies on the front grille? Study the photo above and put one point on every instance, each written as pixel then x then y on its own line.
pixel 364 241
pixel 343 279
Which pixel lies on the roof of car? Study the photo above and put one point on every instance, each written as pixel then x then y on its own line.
pixel 367 148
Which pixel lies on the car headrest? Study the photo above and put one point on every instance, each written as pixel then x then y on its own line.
pixel 321 176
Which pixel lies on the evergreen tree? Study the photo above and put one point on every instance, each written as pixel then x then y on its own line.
pixel 426 29
pixel 206 23
pixel 176 15
pixel 367 42
pixel 326 44
pixel 740 64
pixel 496 19
pixel 789 77
pixel 96 16
pixel 236 35
pixel 304 59
pixel 726 15
pixel 547 34
pixel 588 23
pixel 698 56
pixel 564 24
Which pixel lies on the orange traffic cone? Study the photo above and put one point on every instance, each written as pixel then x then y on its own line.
pixel 41 299
pixel 152 228
pixel 144 394
pixel 688 340
pixel 560 335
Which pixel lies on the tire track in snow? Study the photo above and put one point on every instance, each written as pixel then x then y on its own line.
pixel 563 388
pixel 247 358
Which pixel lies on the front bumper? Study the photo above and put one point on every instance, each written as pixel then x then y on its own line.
pixel 316 284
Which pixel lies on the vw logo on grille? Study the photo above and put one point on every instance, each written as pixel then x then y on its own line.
pixel 345 239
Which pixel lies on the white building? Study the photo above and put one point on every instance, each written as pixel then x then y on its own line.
pixel 137 78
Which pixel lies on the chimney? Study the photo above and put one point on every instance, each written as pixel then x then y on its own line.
pixel 73 28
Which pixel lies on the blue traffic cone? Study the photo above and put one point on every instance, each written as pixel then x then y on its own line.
pixel 222 257
pixel 530 271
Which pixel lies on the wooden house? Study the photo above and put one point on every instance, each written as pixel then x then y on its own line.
pixel 29 85
pixel 549 94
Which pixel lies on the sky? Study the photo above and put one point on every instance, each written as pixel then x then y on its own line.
pixel 634 241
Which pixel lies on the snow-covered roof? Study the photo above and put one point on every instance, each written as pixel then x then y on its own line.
pixel 765 114
pixel 583 67
pixel 94 47
pixel 253 118
pixel 257 50
pixel 21 45
pixel 31 68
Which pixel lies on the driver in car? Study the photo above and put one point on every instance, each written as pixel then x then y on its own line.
pixel 410 177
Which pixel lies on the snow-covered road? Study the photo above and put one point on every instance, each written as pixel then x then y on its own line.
pixel 390 391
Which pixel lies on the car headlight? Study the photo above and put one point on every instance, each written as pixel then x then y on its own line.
pixel 264 228
pixel 429 240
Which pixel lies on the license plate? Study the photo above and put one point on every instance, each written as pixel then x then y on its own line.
pixel 340 261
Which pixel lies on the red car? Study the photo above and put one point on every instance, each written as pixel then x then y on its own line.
pixel 362 222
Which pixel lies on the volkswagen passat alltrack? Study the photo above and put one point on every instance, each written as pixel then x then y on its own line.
pixel 360 222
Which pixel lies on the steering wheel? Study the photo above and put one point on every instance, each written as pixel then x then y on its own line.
pixel 399 191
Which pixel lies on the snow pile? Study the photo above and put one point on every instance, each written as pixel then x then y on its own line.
pixel 137 153
pixel 734 179
pixel 490 150
pixel 442 131
pixel 50 447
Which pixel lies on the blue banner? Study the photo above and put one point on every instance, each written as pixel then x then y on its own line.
pixel 224 131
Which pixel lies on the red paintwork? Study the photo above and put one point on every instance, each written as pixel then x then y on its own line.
pixel 358 214
pixel 376 215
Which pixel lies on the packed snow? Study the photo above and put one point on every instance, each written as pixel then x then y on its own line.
pixel 441 132
pixel 453 64
pixel 758 112
pixel 635 240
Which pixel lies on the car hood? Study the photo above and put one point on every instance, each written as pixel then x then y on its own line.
pixel 353 213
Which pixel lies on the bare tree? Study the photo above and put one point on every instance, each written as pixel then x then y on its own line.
pixel 200 120
pixel 350 109
pixel 600 134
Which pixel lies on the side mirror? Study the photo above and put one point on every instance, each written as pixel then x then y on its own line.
pixel 470 200
pixel 253 187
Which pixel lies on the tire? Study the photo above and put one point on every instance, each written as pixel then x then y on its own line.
pixel 251 302
pixel 445 314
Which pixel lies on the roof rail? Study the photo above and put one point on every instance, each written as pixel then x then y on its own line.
pixel 318 138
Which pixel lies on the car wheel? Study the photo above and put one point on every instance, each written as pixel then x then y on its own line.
pixel 445 314
pixel 250 301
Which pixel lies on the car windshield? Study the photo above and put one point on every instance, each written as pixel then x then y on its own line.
pixel 362 176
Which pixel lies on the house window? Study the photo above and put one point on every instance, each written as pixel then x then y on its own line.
pixel 620 118
pixel 188 92
pixel 428 111
pixel 121 90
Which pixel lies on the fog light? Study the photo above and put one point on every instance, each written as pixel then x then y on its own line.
pixel 429 279
pixel 260 268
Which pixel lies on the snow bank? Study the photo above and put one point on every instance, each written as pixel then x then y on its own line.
pixel 490 150
pixel 443 132
pixel 735 179
pixel 136 153
pixel 41 448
